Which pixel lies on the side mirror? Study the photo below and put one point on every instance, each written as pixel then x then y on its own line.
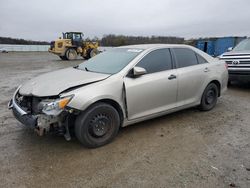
pixel 230 49
pixel 138 71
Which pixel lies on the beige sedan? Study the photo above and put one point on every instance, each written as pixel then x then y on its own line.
pixel 117 88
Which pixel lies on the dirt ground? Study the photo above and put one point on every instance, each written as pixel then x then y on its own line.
pixel 185 149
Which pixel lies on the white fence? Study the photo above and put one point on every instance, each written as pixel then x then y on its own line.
pixel 21 48
pixel 32 48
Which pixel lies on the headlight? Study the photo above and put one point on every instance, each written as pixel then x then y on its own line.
pixel 57 106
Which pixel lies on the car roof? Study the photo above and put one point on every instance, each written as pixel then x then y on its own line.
pixel 150 46
pixel 155 46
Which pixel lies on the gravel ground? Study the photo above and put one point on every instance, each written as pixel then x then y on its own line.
pixel 184 149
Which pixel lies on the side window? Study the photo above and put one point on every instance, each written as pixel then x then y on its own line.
pixel 200 59
pixel 156 61
pixel 185 57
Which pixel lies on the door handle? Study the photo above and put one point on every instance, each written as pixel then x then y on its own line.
pixel 171 77
pixel 206 69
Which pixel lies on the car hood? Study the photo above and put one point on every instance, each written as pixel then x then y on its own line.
pixel 54 83
pixel 231 53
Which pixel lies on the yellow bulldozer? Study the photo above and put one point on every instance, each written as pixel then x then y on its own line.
pixel 72 45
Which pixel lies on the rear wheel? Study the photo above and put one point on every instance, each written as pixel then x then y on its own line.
pixel 209 97
pixel 71 54
pixel 97 126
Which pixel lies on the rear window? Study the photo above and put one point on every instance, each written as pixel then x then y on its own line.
pixel 185 57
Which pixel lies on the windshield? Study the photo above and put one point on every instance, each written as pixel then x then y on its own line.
pixel 243 46
pixel 111 61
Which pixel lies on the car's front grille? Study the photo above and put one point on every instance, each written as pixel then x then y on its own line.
pixel 232 55
pixel 240 62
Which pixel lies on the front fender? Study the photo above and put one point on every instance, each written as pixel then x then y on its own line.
pixel 104 90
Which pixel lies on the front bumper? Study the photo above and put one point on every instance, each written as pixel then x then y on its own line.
pixel 31 120
pixel 22 116
pixel 239 75
pixel 41 123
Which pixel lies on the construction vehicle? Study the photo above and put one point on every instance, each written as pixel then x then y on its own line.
pixel 72 45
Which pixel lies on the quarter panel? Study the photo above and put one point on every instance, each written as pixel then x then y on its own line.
pixel 190 81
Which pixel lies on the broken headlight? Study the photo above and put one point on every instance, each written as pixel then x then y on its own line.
pixel 55 107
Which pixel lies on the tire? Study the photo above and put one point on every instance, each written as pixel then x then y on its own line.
pixel 88 54
pixel 63 58
pixel 97 126
pixel 85 57
pixel 93 52
pixel 71 54
pixel 209 97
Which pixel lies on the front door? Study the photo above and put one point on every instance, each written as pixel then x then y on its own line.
pixel 154 92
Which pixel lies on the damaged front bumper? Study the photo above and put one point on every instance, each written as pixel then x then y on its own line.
pixel 41 123
pixel 22 116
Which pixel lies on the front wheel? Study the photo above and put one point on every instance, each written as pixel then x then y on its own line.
pixel 98 125
pixel 209 97
pixel 71 54
pixel 63 57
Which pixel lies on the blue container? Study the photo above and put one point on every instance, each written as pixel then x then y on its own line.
pixel 206 46
pixel 200 45
pixel 222 44
pixel 210 48
pixel 218 46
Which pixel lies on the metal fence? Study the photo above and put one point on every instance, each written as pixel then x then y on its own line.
pixel 23 48
pixel 33 48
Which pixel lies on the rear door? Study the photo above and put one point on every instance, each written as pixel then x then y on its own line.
pixel 155 91
pixel 193 71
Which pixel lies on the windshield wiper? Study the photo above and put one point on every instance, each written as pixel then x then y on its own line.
pixel 85 68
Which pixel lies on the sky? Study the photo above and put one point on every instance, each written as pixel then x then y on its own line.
pixel 47 19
